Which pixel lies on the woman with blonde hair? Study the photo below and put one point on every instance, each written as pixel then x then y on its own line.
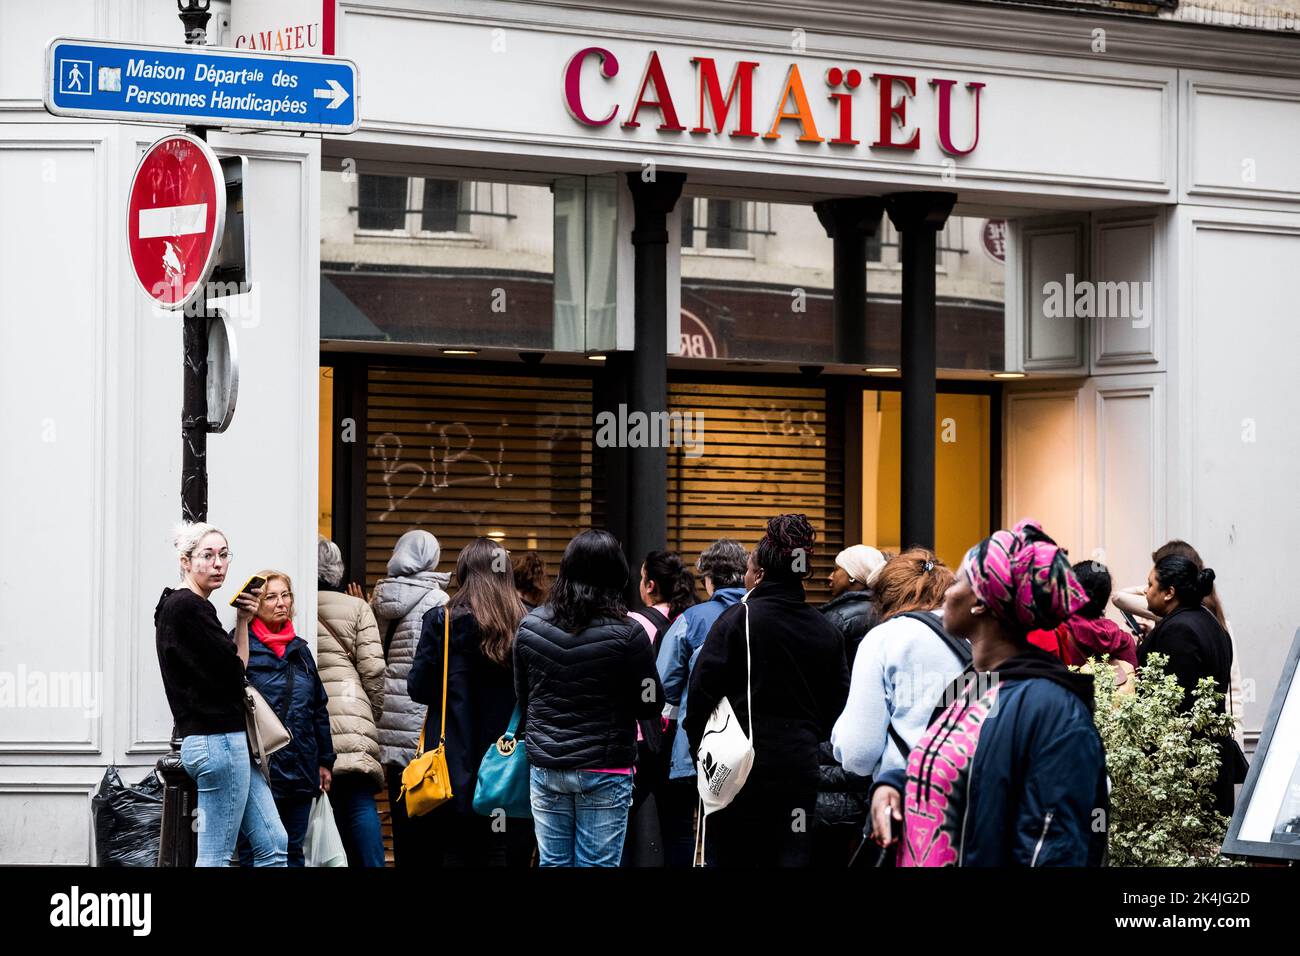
pixel 901 668
pixel 203 677
pixel 281 667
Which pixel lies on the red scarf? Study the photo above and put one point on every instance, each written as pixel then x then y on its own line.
pixel 275 641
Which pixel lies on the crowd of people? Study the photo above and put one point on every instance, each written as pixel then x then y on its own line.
pixel 923 716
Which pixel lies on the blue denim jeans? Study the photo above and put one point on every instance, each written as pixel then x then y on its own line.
pixel 233 800
pixel 580 817
pixel 352 795
pixel 294 813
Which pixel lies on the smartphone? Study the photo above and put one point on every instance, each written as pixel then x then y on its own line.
pixel 252 584
pixel 1132 623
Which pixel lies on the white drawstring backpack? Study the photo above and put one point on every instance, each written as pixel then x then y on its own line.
pixel 726 753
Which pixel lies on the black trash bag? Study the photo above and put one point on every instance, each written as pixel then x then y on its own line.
pixel 128 820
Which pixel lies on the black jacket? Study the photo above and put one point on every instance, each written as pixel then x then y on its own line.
pixel 1198 647
pixel 854 613
pixel 202 674
pixel 294 690
pixel 842 796
pixel 800 680
pixel 480 697
pixel 583 693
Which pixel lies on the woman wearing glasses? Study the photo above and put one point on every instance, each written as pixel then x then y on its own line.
pixel 203 676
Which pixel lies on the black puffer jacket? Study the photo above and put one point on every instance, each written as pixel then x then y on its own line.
pixel 842 797
pixel 582 693
pixel 854 613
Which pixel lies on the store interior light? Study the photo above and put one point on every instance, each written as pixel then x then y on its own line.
pixel 497 535
pixel 460 351
pixel 1008 374
pixel 880 370
pixel 597 358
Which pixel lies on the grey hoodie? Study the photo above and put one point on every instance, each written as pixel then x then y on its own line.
pixel 404 597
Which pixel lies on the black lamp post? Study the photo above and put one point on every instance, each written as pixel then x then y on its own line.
pixel 178 842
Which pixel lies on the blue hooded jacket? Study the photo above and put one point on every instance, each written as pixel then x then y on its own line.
pixel 1036 793
pixel 295 770
pixel 679 648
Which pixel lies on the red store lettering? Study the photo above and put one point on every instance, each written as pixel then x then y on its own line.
pixel 713 109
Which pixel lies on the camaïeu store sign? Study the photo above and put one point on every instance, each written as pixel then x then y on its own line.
pixel 893 106
pixel 749 104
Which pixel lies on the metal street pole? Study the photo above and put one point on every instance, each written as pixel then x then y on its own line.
pixel 178 843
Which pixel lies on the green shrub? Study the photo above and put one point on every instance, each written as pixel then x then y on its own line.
pixel 1162 764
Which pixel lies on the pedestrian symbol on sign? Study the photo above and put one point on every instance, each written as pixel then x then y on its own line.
pixel 75 76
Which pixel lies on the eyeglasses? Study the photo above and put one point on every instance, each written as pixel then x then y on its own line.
pixel 209 556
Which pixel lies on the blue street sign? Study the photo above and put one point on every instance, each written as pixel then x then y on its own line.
pixel 200 86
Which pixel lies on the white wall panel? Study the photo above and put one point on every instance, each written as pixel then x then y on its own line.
pixel 1241 138
pixel 1129 475
pixel 52 419
pixel 25 28
pixel 1127 268
pixel 1238 435
pixel 46 824
pixel 1051 251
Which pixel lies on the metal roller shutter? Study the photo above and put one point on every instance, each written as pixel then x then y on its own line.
pixel 767 450
pixel 508 457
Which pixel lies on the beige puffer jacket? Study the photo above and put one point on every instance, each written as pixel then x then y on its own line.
pixel 350 659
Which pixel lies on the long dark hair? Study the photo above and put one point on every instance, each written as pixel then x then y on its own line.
pixel 486 588
pixel 1184 550
pixel 1190 583
pixel 786 550
pixel 673 580
pixel 593 574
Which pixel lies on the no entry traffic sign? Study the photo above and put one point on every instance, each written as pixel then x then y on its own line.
pixel 175 214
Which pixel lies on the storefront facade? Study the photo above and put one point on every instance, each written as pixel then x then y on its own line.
pixel 1144 171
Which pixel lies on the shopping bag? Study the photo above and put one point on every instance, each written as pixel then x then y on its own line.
pixel 323 846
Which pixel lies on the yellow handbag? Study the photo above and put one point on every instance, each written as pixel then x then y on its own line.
pixel 426 781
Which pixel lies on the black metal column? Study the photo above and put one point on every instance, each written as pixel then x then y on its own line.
pixel 850 223
pixel 178 839
pixel 647 372
pixel 918 217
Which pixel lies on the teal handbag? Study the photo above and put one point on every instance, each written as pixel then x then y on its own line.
pixel 503 776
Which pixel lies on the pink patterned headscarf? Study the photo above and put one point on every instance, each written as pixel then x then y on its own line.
pixel 1024 578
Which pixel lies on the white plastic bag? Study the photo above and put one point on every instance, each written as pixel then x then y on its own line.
pixel 323 846
pixel 726 751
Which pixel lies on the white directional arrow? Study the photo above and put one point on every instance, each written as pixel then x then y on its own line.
pixel 335 94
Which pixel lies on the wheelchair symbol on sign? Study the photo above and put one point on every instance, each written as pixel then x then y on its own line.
pixel 74 76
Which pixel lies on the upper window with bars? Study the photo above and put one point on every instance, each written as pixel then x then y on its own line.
pixel 721 225
pixel 424 206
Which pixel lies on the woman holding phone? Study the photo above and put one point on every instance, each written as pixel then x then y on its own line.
pixel 203 677
pixel 281 667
